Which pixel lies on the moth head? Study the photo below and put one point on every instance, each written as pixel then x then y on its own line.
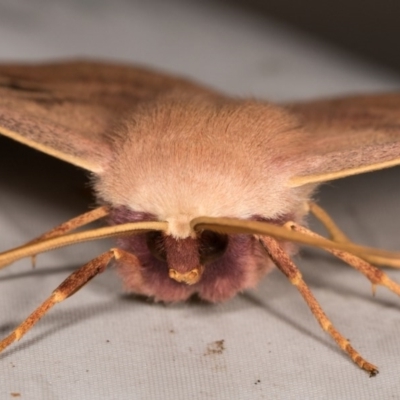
pixel 213 265
pixel 187 258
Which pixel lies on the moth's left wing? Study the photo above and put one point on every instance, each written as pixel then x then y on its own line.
pixel 348 136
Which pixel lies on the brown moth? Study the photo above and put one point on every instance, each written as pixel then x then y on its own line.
pixel 205 192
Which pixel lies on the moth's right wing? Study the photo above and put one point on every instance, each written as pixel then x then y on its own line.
pixel 66 109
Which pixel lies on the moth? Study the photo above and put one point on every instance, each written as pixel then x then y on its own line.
pixel 205 193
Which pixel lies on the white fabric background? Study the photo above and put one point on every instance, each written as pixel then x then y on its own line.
pixel 102 344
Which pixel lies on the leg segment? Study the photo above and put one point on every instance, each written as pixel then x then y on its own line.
pixel 335 233
pixel 285 264
pixel 67 288
pixel 74 223
pixel 375 275
pixel 68 226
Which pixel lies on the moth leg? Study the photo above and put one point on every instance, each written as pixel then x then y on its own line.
pixel 373 274
pixel 74 223
pixel 334 231
pixel 70 225
pixel 67 226
pixel 285 264
pixel 68 287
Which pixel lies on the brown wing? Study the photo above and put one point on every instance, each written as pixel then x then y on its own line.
pixel 65 109
pixel 349 136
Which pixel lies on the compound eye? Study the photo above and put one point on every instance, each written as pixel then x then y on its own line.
pixel 212 246
pixel 156 246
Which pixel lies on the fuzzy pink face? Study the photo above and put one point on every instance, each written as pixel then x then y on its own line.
pixel 231 263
